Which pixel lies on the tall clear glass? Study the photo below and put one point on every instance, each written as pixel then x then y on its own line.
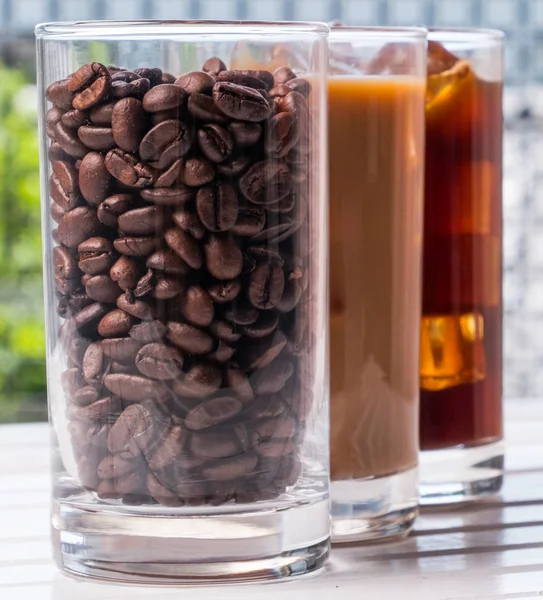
pixel 461 342
pixel 185 234
pixel 376 145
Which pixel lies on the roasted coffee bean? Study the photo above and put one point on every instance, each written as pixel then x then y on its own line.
pixel 163 494
pixel 85 396
pixel 137 428
pixel 188 221
pixel 91 85
pixel 215 445
pixel 55 152
pixel 295 103
pixel 213 66
pixel 126 76
pixel 128 170
pixel 204 109
pixel 272 379
pixel 185 246
pixel 160 137
pixel 266 182
pixel 291 296
pixel 71 380
pixel 94 178
pixel 137 308
pixel 283 75
pixel 282 428
pixel 135 246
pixel 56 212
pixel 264 76
pixel 78 225
pixel 53 116
pixel 154 75
pixel 245 133
pixel 74 119
pixel 279 91
pixel 112 467
pixel 115 324
pixel 101 410
pixel 122 349
pixel 198 172
pixel 261 352
pixel 148 332
pixel 134 388
pixel 168 196
pixel 145 285
pixel 200 381
pixel 257 254
pixel 171 175
pixel 125 272
pixel 239 384
pixel 142 221
pixel 168 286
pixel 89 316
pixel 285 205
pixel 96 138
pixel 158 361
pixel 60 95
pixel 164 97
pixel 266 324
pixel 242 78
pixel 217 206
pixel 67 139
pixel 114 206
pixel 93 364
pixel 223 292
pixel 282 135
pixel 189 338
pixel 65 265
pixel 225 331
pixel 266 285
pixel 215 142
pixel 102 115
pixel 231 468
pixel 223 256
pixel 240 102
pixel 95 256
pixel 63 186
pixel 250 220
pixel 275 234
pixel 300 85
pixel 102 288
pixel 235 165
pixel 222 353
pixel 265 407
pixel 212 412
pixel 197 306
pixel 167 452
pixel 241 313
pixel 196 82
pixel 128 124
pixel 167 262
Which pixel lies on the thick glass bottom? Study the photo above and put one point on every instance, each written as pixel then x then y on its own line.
pixel 136 545
pixel 460 474
pixel 374 509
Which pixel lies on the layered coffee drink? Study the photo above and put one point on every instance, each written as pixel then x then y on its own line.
pixel 376 157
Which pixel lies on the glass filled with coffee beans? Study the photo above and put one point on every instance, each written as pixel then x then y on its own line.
pixel 184 189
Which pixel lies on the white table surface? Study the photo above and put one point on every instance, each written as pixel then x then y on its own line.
pixel 489 550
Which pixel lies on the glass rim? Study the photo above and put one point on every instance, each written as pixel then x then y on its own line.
pixel 378 31
pixel 107 28
pixel 465 33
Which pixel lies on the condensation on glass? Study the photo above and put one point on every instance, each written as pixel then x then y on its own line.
pixel 376 133
pixel 184 196
pixel 461 329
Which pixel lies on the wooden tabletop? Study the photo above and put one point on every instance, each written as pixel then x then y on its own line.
pixel 488 550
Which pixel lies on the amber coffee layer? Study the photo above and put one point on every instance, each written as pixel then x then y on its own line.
pixel 183 275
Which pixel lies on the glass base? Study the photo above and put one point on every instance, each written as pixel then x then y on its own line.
pixel 374 509
pixel 137 545
pixel 460 474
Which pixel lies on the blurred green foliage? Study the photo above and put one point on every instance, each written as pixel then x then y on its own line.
pixel 22 343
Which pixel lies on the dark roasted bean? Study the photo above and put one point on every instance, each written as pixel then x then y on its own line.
pixel 137 308
pixel 266 182
pixel 185 246
pixel 217 206
pixel 224 291
pixel 91 85
pixel 198 172
pixel 95 255
pixel 245 133
pixel 215 142
pixel 125 272
pixel 168 196
pixel 212 412
pixel 240 102
pixel 196 82
pixel 213 66
pixel 94 178
pixel 197 306
pixel 189 338
pixel 60 95
pixel 78 225
pixel 102 288
pixel 188 221
pixel 224 259
pixel 242 78
pixel 204 109
pixel 158 361
pixel 121 349
pixel 266 285
pixel 142 221
pixel 128 170
pixel 135 246
pixel 128 123
pixel 164 97
pixel 148 331
pixel 114 206
pixel 96 138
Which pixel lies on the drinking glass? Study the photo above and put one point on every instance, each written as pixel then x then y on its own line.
pixel 376 134
pixel 184 227
pixel 461 424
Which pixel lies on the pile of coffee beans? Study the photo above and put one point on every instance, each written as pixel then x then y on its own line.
pixel 181 267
